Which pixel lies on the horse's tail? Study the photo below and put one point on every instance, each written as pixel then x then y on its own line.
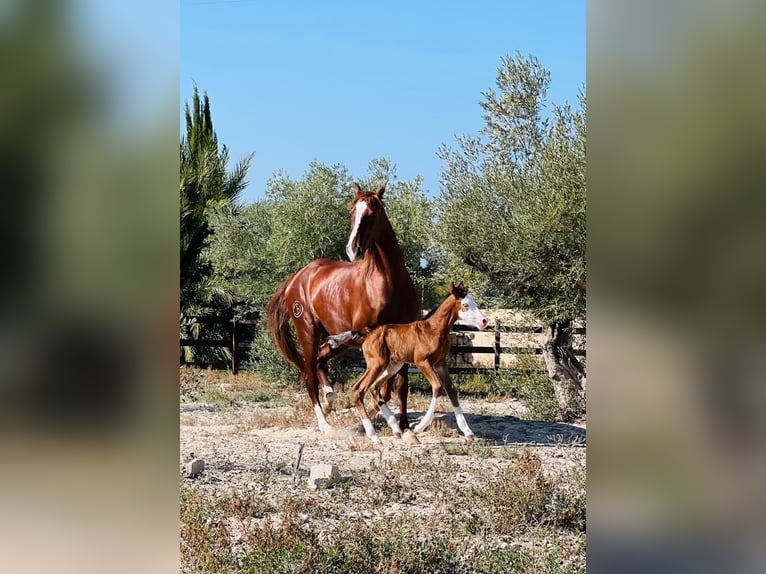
pixel 278 321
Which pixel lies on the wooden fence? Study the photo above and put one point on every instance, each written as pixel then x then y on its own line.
pixel 238 341
pixel 513 342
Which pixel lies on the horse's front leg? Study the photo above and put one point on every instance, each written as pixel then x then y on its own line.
pixel 436 391
pixel 443 373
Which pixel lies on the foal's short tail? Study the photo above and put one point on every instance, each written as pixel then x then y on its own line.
pixel 278 320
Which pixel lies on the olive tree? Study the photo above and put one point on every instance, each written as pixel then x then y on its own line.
pixel 512 207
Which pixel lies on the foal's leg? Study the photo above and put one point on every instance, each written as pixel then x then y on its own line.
pixel 360 387
pixel 378 370
pixel 390 417
pixel 436 391
pixel 402 388
pixel 443 373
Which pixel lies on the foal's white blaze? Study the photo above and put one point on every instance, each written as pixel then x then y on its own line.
pixel 361 207
pixel 324 426
pixel 390 419
pixel 471 313
pixel 461 422
pixel 428 417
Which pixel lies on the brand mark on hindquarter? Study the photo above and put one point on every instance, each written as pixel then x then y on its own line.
pixel 297 309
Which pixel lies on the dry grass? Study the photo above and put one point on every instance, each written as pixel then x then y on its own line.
pixel 516 521
pixel 440 507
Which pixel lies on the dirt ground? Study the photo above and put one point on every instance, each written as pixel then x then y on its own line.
pixel 238 441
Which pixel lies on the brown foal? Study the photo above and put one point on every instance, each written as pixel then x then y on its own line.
pixel 425 344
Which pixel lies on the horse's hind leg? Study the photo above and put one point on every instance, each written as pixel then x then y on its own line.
pixel 327 352
pixel 399 381
pixel 383 404
pixel 360 388
pixel 309 338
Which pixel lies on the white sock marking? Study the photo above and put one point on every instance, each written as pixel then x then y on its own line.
pixel 324 426
pixel 369 430
pixel 390 418
pixel 427 417
pixel 461 422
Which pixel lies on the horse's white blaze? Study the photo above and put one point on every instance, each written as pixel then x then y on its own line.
pixel 324 426
pixel 361 207
pixel 390 418
pixel 471 313
pixel 370 431
pixel 428 417
pixel 461 422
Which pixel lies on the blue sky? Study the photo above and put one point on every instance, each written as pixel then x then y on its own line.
pixel 347 81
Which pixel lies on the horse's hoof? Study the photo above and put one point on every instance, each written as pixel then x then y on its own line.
pixel 409 438
pixel 397 435
pixel 330 397
pixel 469 438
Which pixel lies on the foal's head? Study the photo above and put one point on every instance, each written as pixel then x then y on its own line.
pixel 468 311
pixel 367 213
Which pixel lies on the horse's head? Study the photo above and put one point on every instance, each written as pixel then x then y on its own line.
pixel 367 212
pixel 468 310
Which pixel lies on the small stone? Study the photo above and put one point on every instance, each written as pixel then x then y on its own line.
pixel 323 475
pixel 194 467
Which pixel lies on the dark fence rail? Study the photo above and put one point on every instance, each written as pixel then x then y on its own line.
pixel 237 341
pixel 511 345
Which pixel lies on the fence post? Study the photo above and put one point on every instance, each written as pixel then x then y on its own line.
pixel 234 346
pixel 497 346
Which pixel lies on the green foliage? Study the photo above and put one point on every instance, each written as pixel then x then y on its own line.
pixel 205 185
pixel 253 249
pixel 309 217
pixel 513 197
pixel 524 382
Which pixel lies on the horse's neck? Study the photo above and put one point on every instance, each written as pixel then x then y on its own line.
pixel 386 253
pixel 445 316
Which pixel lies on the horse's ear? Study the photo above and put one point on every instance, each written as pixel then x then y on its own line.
pixel 357 191
pixel 382 190
pixel 451 288
pixel 461 286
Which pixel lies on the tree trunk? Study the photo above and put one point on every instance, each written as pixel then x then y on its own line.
pixel 564 370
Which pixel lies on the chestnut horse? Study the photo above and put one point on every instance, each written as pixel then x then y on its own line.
pixel 425 344
pixel 328 297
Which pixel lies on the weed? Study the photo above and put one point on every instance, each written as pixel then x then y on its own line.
pixel 526 496
pixel 482 451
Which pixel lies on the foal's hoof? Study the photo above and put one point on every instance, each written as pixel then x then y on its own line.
pixel 409 437
pixel 330 396
pixel 469 438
